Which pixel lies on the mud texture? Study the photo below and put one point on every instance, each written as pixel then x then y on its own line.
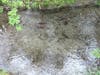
pixel 57 44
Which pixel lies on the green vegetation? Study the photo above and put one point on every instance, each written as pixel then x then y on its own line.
pixel 97 72
pixel 3 72
pixel 13 3
pixel 98 2
pixel 14 18
pixel 1 10
pixel 40 4
pixel 36 3
pixel 96 53
pixel 54 3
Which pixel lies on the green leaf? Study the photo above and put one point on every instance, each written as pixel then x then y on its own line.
pixel 18 27
pixel 13 21
pixel 12 12
pixel 17 21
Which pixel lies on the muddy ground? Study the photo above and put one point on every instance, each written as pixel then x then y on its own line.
pixel 58 44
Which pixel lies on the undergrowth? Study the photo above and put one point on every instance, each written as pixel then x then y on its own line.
pixel 14 18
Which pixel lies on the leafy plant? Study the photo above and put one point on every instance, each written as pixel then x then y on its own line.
pixel 14 19
pixel 3 72
pixel 96 53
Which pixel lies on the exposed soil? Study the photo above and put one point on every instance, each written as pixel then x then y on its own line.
pixel 58 44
